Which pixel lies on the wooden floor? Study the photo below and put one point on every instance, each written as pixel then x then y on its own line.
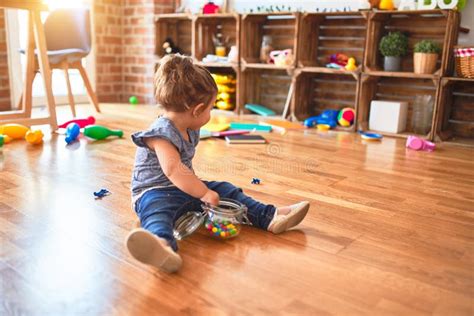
pixel 390 231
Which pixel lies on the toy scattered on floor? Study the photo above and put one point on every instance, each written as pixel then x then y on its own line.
pixel 281 58
pixel 250 127
pixel 14 131
pixel 323 127
pixel 5 139
pixel 72 132
pixel 133 100
pixel 417 143
pixel 99 132
pixel 34 137
pixel 351 64
pixel 255 181
pixel 260 109
pixel 346 117
pixel 210 8
pixel 228 133
pixel 370 136
pixel 100 194
pixel 328 117
pixel 169 47
pixel 81 122
pixel 216 127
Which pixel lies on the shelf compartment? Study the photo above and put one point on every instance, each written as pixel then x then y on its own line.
pixel 440 26
pixel 455 123
pixel 267 87
pixel 206 26
pixel 178 27
pixel 395 89
pixel 282 27
pixel 316 92
pixel 324 34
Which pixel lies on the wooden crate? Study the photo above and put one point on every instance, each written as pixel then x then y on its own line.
pixel 389 88
pixel 324 34
pixel 267 87
pixel 282 27
pixel 206 26
pixel 316 92
pixel 455 122
pixel 179 28
pixel 440 26
pixel 228 71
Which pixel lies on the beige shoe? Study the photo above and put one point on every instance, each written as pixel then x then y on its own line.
pixel 282 223
pixel 150 249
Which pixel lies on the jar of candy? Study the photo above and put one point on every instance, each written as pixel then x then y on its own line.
pixel 225 220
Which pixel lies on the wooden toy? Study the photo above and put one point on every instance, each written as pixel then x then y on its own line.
pixel 81 122
pixel 250 127
pixel 260 109
pixel 34 137
pixel 101 132
pixel 72 132
pixel 14 131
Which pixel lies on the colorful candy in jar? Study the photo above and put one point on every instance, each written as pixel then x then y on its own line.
pixel 222 228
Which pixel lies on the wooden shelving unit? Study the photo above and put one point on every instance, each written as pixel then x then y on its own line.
pixel 455 120
pixel 313 37
pixel 318 91
pixel 374 87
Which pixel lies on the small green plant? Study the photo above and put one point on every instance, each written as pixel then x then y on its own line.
pixel 394 44
pixel 427 47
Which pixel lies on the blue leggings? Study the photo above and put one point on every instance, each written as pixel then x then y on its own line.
pixel 158 209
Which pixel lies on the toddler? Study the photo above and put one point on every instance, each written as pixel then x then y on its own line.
pixel 164 186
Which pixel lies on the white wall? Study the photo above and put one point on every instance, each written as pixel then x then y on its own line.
pixel 467 16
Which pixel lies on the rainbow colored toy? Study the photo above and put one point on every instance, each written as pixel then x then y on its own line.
pixel 346 117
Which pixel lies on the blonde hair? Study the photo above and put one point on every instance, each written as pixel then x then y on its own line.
pixel 180 84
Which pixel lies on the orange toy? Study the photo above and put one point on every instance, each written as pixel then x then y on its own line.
pixel 34 137
pixel 14 131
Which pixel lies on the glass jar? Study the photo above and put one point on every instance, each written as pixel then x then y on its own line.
pixel 225 221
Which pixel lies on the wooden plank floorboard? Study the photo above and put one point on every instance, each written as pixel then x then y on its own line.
pixel 390 231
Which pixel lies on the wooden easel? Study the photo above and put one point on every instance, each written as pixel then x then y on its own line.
pixel 36 38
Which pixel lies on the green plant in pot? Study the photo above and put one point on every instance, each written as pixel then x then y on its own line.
pixel 425 56
pixel 393 47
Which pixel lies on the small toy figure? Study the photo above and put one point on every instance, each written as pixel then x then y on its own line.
pixel 169 47
pixel 281 58
pixel 210 8
pixel 100 194
pixel 351 64
pixel 255 181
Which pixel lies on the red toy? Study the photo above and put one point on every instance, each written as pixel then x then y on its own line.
pixel 210 8
pixel 81 122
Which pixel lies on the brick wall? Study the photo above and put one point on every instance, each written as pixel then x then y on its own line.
pixel 5 102
pixel 125 40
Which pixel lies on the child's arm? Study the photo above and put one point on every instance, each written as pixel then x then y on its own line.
pixel 178 173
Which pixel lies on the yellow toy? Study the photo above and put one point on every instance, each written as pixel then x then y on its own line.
pixel 14 131
pixel 386 5
pixel 6 138
pixel 34 137
pixel 351 64
pixel 226 91
pixel 223 88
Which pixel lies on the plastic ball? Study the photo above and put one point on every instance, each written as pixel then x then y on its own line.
pixel 346 117
pixel 214 229
pixel 133 100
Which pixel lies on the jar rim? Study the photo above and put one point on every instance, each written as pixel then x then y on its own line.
pixel 232 207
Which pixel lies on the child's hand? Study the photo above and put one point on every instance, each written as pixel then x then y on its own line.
pixel 211 197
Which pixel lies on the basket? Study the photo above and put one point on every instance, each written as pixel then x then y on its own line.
pixel 464 61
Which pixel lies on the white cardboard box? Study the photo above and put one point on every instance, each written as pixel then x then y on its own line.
pixel 388 116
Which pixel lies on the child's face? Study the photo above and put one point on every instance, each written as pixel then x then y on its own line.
pixel 203 116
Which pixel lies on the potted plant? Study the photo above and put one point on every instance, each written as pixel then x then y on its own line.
pixel 393 46
pixel 425 57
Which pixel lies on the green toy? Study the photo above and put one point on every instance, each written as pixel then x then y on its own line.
pixel 1 141
pixel 100 132
pixel 133 100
